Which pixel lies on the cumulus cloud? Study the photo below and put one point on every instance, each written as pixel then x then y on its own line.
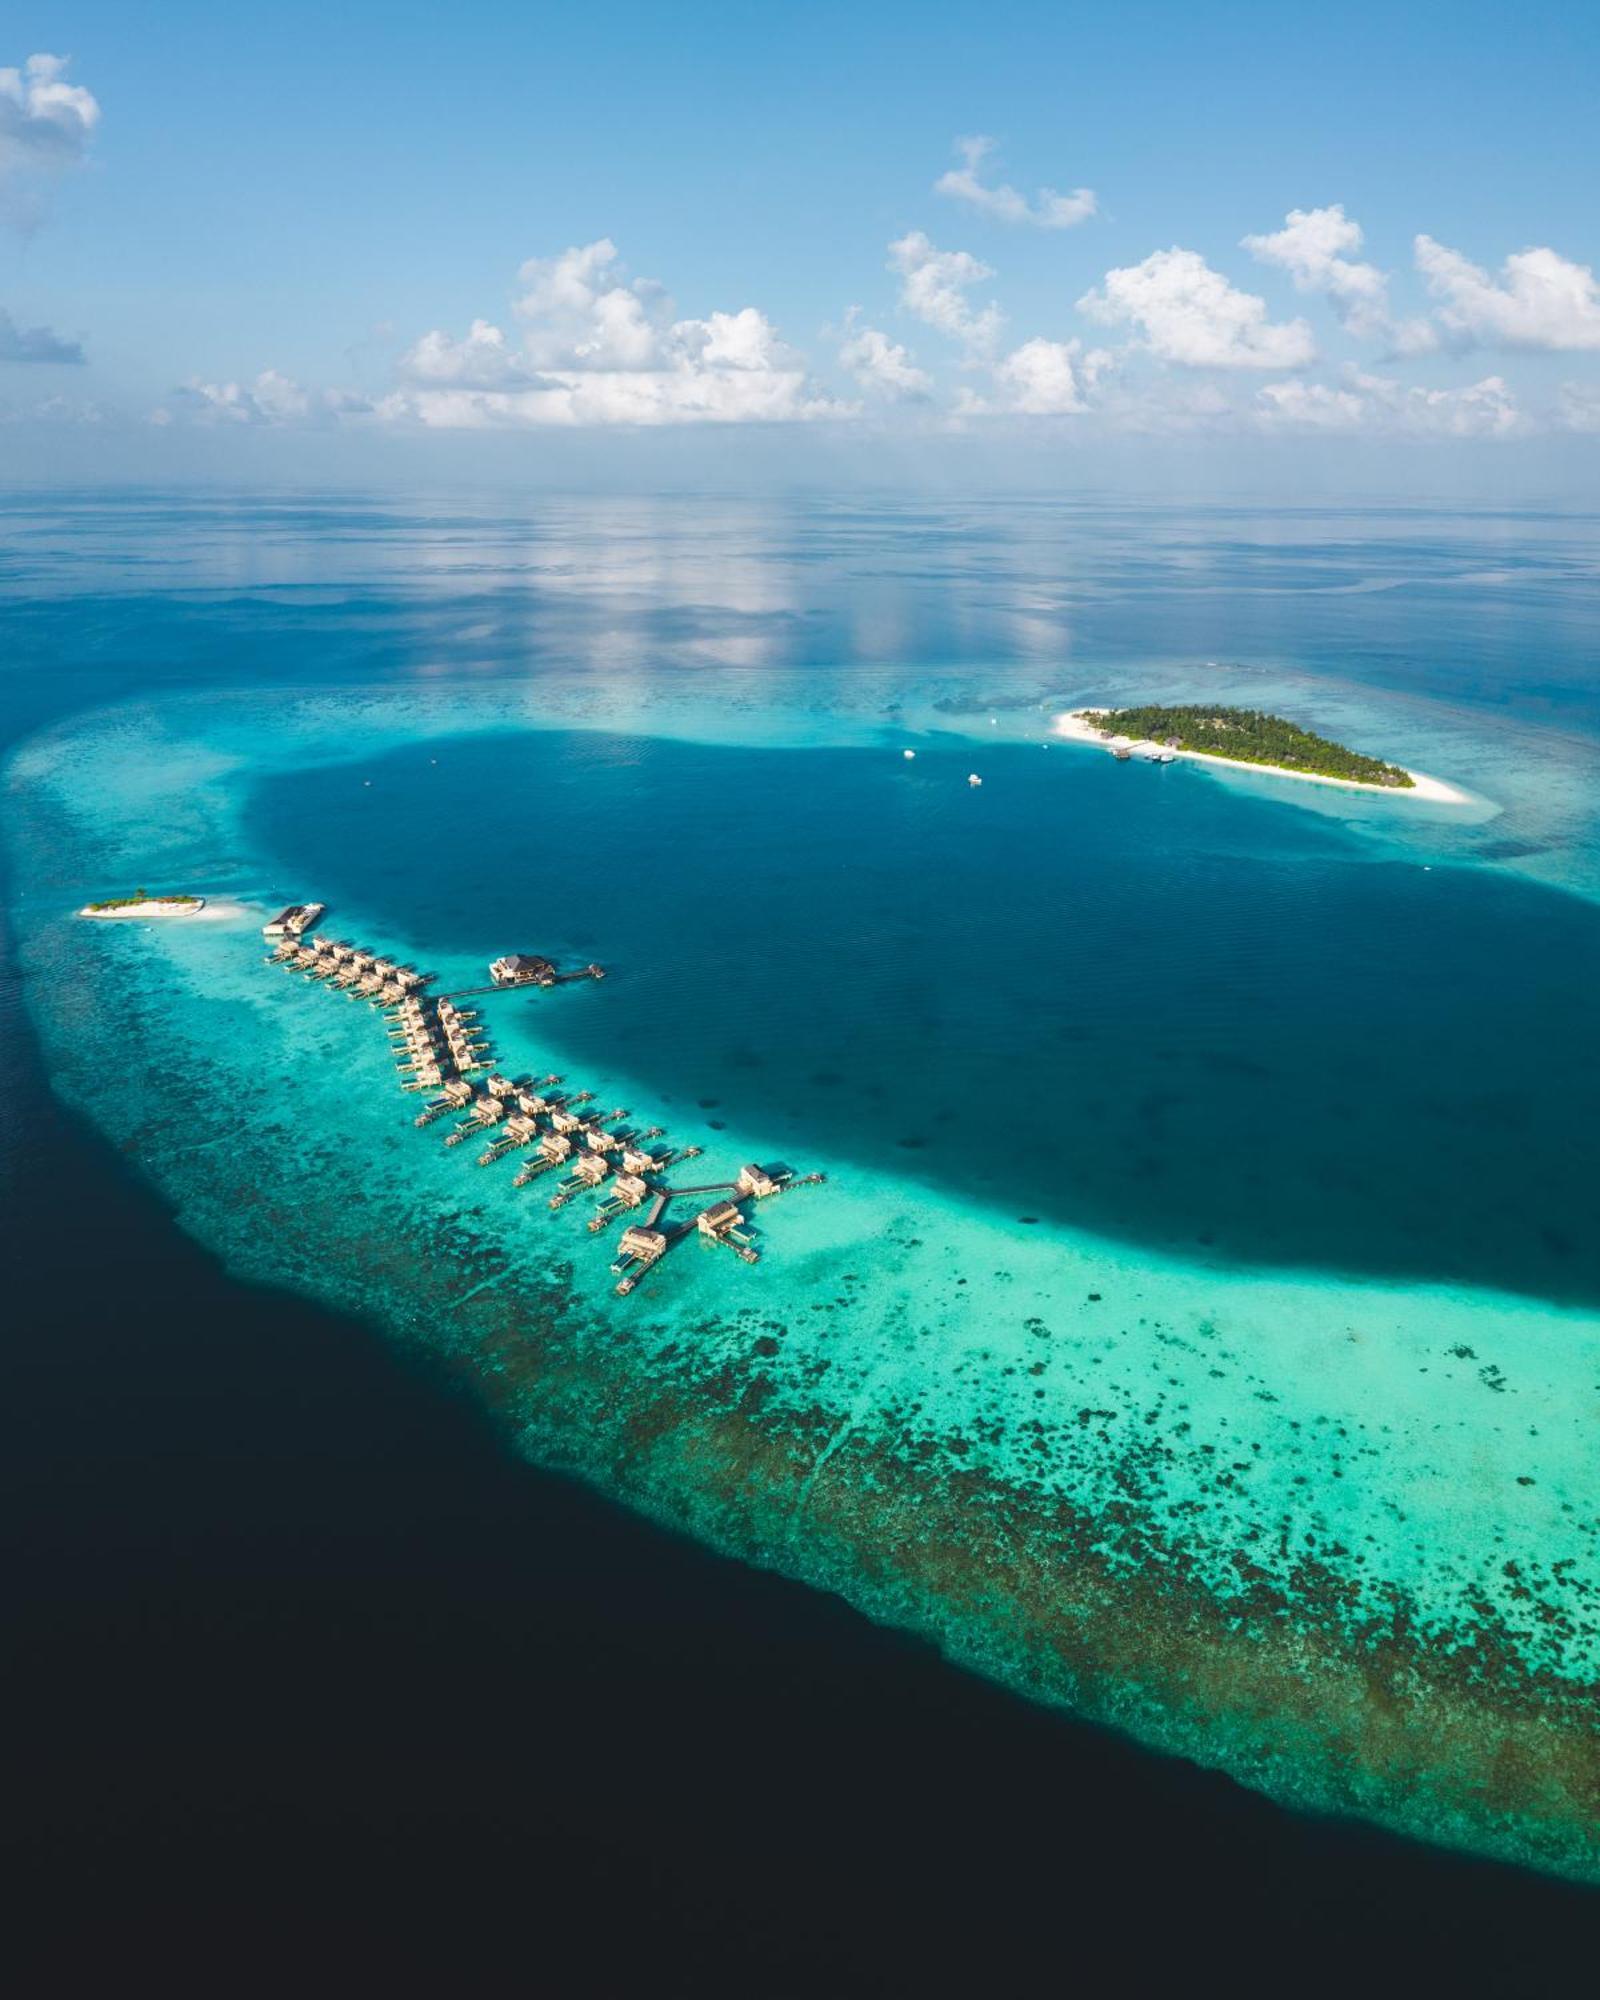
pixel 934 284
pixel 271 399
pixel 1191 315
pixel 1048 210
pixel 1377 405
pixel 1539 300
pixel 45 127
pixel 578 313
pixel 483 360
pixel 1041 378
pixel 1310 248
pixel 35 343
pixel 881 365
pixel 594 347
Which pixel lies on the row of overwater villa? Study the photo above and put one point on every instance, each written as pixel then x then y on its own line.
pixel 443 1048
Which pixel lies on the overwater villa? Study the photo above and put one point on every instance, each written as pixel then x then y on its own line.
pixel 520 1130
pixel 456 1095
pixel 638 1249
pixel 436 1044
pixel 293 920
pixel 522 968
pixel 723 1223
pixel 555 1149
pixel 627 1191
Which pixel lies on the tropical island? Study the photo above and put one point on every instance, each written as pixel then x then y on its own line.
pixel 1248 738
pixel 142 904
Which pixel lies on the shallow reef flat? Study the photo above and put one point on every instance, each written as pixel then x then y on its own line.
pixel 1332 1534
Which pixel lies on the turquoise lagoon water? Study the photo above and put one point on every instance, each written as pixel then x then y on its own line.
pixel 1198 1325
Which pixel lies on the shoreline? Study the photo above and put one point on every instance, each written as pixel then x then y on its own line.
pixel 150 906
pixel 1072 726
pixel 206 909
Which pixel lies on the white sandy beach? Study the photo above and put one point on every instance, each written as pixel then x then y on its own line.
pixel 205 910
pixel 150 906
pixel 1076 729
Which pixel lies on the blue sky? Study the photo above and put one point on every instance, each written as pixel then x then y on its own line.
pixel 289 221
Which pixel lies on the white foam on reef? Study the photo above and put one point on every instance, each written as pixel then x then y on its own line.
pixel 1428 1448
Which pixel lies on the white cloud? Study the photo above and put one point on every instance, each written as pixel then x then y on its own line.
pixel 1190 314
pixel 882 365
pixel 1379 406
pixel 1313 406
pixel 271 399
pixel 1540 299
pixel 578 313
pixel 1041 378
pixel 595 348
pixel 34 343
pixel 641 398
pixel 589 348
pixel 934 284
pixel 1048 210
pixel 45 127
pixel 483 360
pixel 1309 247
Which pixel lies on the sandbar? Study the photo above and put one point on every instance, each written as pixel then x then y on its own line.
pixel 151 906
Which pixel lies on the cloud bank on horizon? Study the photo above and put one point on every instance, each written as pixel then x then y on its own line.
pixel 1172 343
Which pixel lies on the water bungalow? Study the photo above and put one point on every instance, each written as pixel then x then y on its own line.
pixel 723 1223
pixel 522 968
pixel 588 1171
pixel 437 1044
pixel 555 1149
pixel 627 1191
pixel 456 1096
pixel 520 1130
pixel 486 1112
pixel 641 1247
pixel 293 920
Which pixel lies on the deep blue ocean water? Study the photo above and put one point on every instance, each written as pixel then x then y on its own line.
pixel 1184 1015
pixel 1190 1019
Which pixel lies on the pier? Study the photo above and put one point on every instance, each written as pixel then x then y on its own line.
pixel 443 1048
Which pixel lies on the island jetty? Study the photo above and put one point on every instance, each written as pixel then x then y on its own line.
pixel 442 1048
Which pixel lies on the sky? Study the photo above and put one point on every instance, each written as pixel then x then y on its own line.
pixel 1327 246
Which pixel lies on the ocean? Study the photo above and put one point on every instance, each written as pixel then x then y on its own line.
pixel 1162 1442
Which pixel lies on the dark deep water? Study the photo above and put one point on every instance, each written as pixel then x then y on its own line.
pixel 309 1682
pixel 1262 1042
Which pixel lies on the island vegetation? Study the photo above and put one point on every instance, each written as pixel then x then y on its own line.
pixel 1248 736
pixel 140 897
